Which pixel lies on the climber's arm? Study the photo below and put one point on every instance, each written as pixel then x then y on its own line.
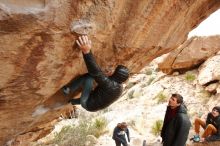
pixel 93 68
pixel 84 44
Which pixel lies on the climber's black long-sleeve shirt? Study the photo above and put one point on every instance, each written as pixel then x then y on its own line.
pixel 107 90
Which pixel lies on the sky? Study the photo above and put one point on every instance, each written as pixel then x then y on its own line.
pixel 210 26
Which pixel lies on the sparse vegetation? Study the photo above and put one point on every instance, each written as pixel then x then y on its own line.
pixel 76 134
pixel 143 85
pixel 148 72
pixel 156 128
pixel 131 94
pixel 150 80
pixel 205 94
pixel 98 127
pixel 161 98
pixel 130 84
pixel 190 77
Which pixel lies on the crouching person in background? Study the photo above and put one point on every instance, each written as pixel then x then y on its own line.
pixel 211 126
pixel 119 134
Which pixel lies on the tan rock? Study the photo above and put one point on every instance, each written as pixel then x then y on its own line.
pixel 38 55
pixel 218 89
pixel 209 71
pixel 176 73
pixel 190 54
pixel 44 125
pixel 212 87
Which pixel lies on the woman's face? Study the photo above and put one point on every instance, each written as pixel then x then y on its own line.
pixel 215 113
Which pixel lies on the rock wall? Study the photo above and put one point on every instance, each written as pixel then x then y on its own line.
pixel 38 53
pixel 209 71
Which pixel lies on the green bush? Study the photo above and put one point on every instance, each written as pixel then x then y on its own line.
pixel 72 135
pixel 98 127
pixel 76 135
pixel 156 128
pixel 161 98
pixel 190 77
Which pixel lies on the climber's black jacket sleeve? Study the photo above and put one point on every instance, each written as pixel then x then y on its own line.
pixel 107 90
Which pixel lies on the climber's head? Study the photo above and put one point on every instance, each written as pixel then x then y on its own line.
pixel 120 74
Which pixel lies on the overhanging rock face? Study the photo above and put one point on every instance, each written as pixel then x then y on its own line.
pixel 38 54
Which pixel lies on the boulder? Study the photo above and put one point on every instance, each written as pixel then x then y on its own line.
pixel 190 54
pixel 212 87
pixel 44 125
pixel 38 54
pixel 209 71
pixel 218 89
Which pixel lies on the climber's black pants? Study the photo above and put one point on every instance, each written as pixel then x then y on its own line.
pixel 86 83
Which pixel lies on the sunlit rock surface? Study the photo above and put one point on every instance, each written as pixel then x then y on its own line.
pixel 190 54
pixel 210 70
pixel 38 55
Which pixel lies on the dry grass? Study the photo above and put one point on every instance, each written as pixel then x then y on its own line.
pixel 190 77
pixel 75 135
pixel 156 128
pixel 161 97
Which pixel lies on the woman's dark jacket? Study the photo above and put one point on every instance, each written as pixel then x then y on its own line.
pixel 176 130
pixel 107 90
pixel 215 121
pixel 119 135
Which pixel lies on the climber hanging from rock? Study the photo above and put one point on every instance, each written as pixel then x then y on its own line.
pixel 108 89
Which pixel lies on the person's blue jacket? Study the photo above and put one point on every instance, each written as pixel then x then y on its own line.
pixel 119 135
